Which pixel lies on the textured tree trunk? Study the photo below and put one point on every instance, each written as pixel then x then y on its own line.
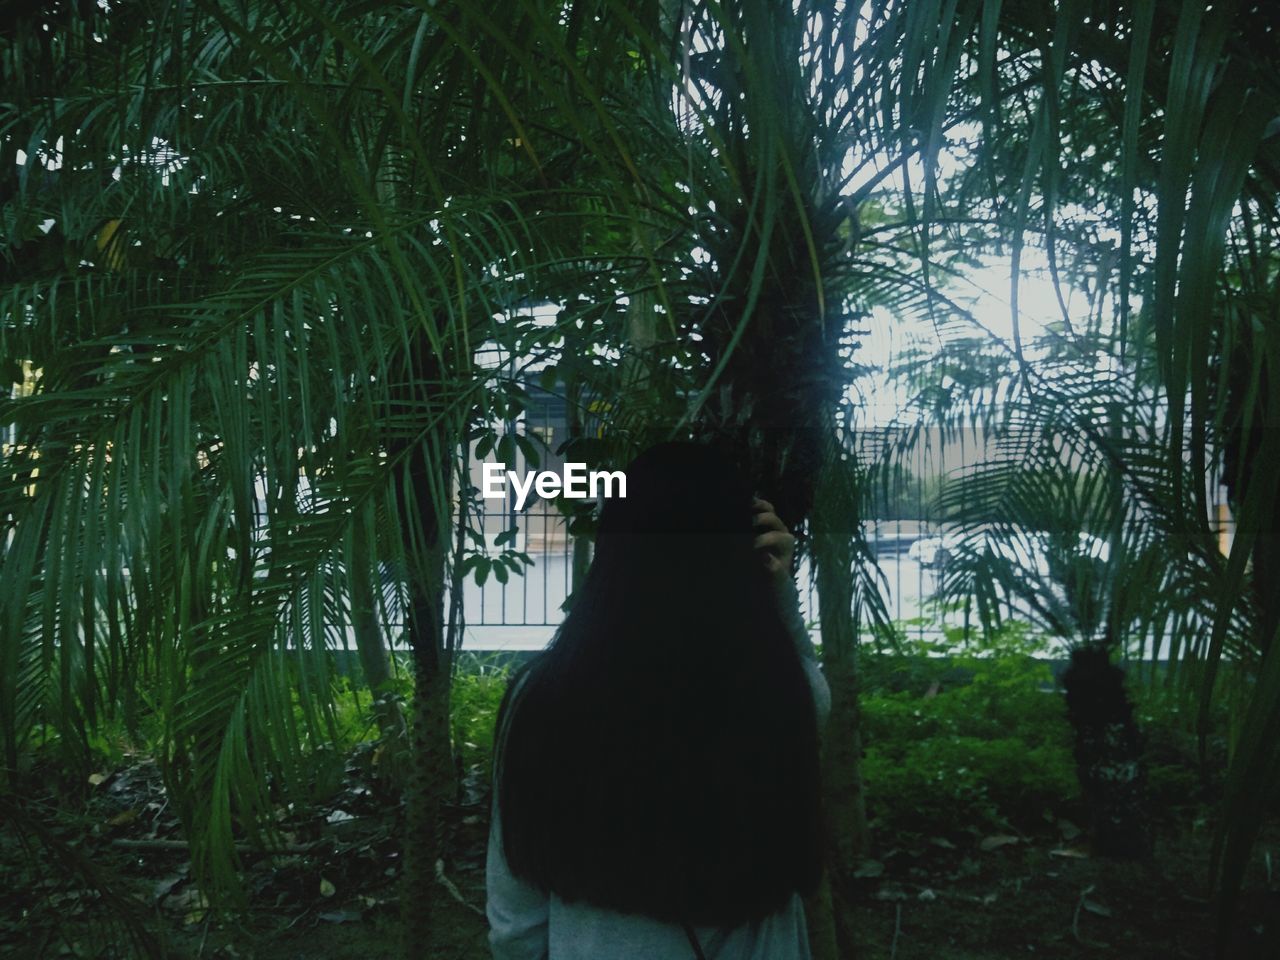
pixel 431 771
pixel 375 659
pixel 1108 751
pixel 423 491
pixel 844 802
pixel 429 784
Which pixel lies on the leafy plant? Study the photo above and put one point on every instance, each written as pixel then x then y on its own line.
pixel 478 688
pixel 971 743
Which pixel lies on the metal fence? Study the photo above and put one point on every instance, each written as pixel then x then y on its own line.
pixel 909 551
pixel 523 613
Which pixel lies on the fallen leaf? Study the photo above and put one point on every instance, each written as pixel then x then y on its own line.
pixel 163 887
pixel 996 841
pixel 926 894
pixel 341 916
pixel 327 889
pixel 123 817
pixel 189 899
pixel 868 869
pixel 1100 909
pixel 95 779
pixel 890 891
pixel 942 842
pixel 1075 853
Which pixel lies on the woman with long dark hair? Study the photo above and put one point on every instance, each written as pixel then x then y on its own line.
pixel 656 771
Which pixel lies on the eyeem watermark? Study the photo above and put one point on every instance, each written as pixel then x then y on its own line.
pixel 577 483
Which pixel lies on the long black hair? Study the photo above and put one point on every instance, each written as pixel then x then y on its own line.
pixel 661 756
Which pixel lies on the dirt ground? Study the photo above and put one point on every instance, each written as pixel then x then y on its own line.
pixel 336 894
pixel 1039 898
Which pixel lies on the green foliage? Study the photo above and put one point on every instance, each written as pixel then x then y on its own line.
pixel 478 687
pixel 353 717
pixel 201 320
pixel 1178 778
pixel 973 735
pixel 958 783
pixel 971 741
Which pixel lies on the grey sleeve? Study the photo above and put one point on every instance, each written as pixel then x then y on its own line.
pixel 518 912
pixel 789 606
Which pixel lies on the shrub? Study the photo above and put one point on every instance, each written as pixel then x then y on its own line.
pixel 965 741
pixel 478 687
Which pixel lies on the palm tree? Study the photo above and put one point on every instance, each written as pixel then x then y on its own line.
pixel 287 296
pixel 1154 125
pixel 277 243
pixel 1066 523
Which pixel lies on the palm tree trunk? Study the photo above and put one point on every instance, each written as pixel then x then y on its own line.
pixel 844 801
pixel 1108 750
pixel 423 488
pixel 375 660
pixel 431 771
pixel 429 780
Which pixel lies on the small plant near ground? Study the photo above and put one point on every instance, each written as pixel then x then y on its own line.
pixel 970 741
pixel 478 688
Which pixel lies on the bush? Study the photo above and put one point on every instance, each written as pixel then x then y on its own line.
pixel 965 741
pixel 948 784
pixel 478 688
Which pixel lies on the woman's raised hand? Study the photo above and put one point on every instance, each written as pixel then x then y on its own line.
pixel 773 540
